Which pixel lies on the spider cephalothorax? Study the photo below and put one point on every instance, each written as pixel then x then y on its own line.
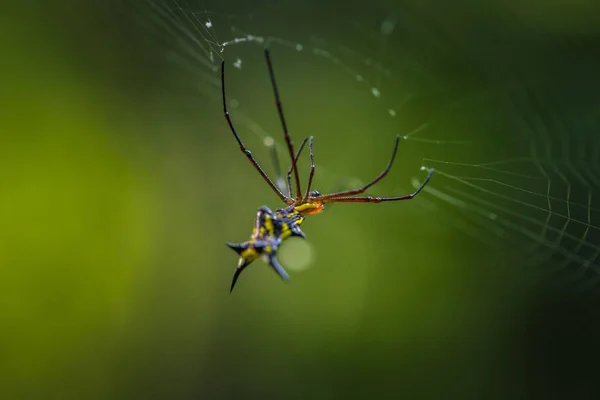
pixel 271 229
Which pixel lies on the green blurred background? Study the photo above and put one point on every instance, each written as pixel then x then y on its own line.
pixel 120 183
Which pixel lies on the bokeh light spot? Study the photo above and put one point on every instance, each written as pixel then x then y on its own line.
pixel 296 254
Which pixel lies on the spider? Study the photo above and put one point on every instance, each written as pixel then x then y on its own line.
pixel 272 228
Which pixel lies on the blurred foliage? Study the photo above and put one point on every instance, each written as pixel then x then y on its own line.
pixel 118 191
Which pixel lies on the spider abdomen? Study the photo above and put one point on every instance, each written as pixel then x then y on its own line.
pixel 270 230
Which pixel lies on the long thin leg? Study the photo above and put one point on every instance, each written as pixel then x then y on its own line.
pixel 369 199
pixel 312 169
pixel 289 173
pixel 244 150
pixel 278 177
pixel 340 185
pixel 288 139
pixel 368 185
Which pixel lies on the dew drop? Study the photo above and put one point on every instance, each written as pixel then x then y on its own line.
pixel 392 112
pixel 238 63
pixel 387 26
pixel 268 141
pixel 299 47
pixel 375 92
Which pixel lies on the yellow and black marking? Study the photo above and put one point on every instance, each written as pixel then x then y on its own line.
pixel 270 230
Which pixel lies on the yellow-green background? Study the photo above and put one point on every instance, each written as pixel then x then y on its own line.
pixel 120 183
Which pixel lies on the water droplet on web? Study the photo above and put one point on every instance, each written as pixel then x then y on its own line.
pixel 387 26
pixel 299 47
pixel 238 63
pixel 208 24
pixel 375 92
pixel 268 141
pixel 392 112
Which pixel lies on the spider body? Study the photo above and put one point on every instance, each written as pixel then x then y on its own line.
pixel 271 229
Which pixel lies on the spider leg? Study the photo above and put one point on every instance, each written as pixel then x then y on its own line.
pixel 339 186
pixel 312 169
pixel 368 185
pixel 369 199
pixel 278 177
pixel 289 173
pixel 288 139
pixel 244 150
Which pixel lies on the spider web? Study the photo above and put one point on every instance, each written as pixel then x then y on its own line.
pixel 515 147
